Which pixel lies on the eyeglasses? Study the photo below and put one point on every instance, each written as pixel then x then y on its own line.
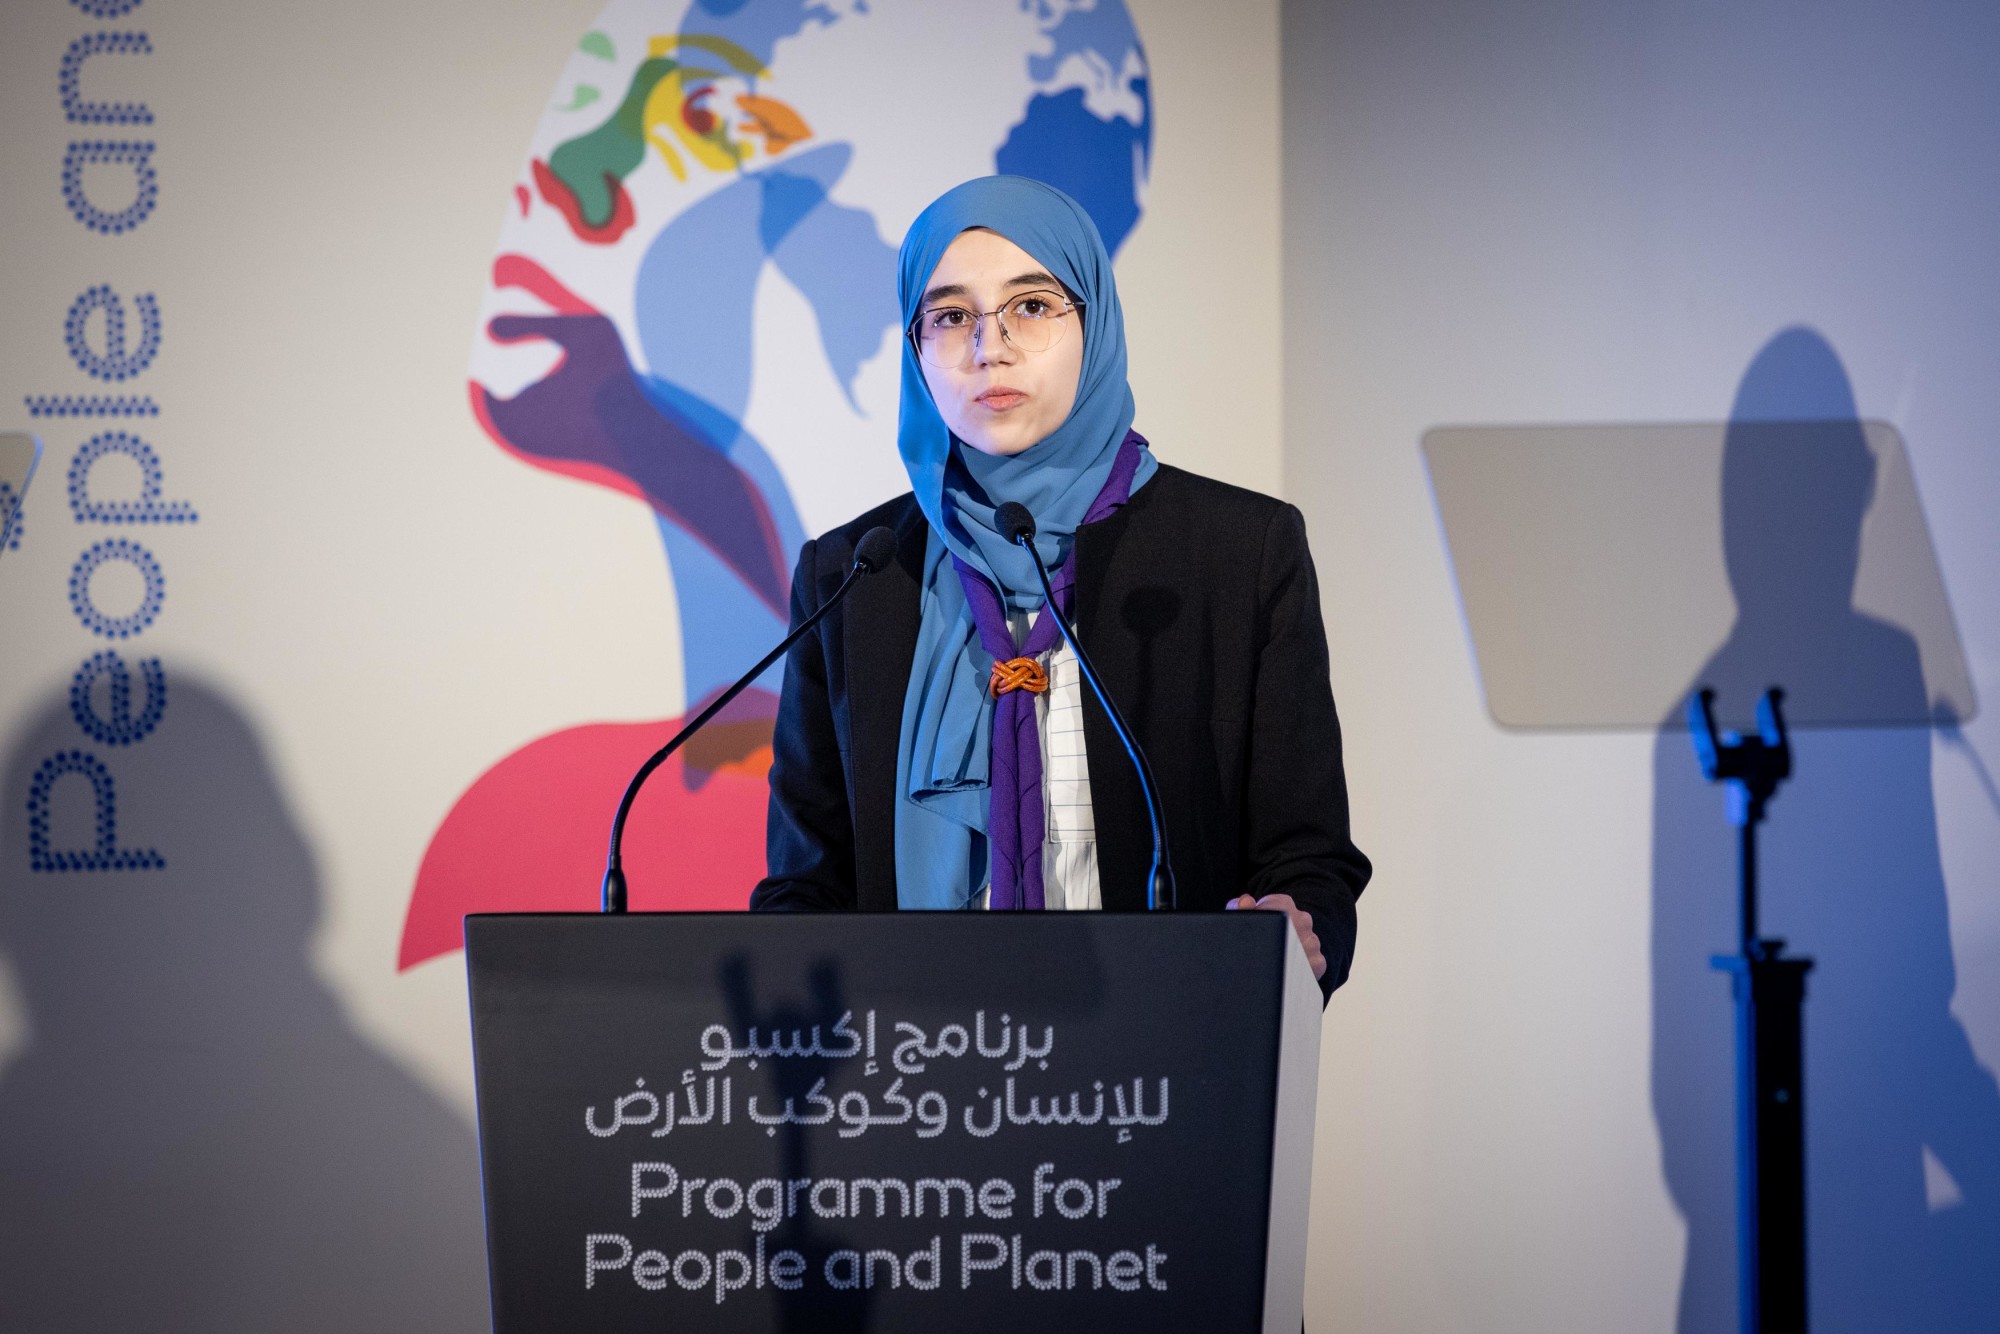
pixel 1032 322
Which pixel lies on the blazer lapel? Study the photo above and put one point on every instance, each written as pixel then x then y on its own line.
pixel 879 640
pixel 1104 561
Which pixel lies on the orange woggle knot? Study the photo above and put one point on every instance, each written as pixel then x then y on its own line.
pixel 1020 674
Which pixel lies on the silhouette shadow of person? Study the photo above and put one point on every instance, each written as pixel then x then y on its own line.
pixel 814 1308
pixel 193 1137
pixel 1902 1123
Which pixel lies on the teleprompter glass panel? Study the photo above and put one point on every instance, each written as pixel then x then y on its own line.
pixel 1605 571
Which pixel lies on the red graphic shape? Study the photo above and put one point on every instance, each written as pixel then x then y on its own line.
pixel 556 192
pixel 698 117
pixel 530 836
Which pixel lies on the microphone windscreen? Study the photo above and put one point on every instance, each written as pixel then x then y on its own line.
pixel 1014 522
pixel 875 550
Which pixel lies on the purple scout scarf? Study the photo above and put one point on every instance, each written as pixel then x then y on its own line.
pixel 1017 822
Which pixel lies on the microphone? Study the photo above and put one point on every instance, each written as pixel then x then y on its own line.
pixel 873 552
pixel 1018 526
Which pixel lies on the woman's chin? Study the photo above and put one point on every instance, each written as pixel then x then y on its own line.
pixel 1001 444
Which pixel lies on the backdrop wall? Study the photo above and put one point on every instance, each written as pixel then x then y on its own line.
pixel 304 263
pixel 1624 213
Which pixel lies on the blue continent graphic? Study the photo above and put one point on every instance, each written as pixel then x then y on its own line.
pixel 756 25
pixel 1100 161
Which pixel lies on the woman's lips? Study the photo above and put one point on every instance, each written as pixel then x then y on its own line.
pixel 999 399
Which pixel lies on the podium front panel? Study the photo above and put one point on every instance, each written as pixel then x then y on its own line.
pixel 883 1122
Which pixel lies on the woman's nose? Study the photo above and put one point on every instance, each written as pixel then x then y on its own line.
pixel 993 348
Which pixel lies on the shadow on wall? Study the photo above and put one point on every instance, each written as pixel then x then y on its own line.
pixel 1902 1123
pixel 194 1138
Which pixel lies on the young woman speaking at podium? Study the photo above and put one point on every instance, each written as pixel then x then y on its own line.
pixel 1195 600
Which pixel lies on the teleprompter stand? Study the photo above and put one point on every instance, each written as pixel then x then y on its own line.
pixel 1587 569
pixel 1770 992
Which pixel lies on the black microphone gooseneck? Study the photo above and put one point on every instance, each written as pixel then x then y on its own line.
pixel 1018 526
pixel 875 550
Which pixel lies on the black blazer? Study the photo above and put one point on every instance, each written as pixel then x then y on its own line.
pixel 1198 605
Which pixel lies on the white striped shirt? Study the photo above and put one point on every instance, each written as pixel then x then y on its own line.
pixel 1069 849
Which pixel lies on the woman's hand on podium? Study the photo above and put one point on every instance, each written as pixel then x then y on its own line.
pixel 1302 923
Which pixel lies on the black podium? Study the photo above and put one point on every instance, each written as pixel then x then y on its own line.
pixel 917 1121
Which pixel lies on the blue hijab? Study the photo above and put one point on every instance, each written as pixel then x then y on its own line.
pixel 944 752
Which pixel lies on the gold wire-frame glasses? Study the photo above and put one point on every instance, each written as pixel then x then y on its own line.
pixel 945 336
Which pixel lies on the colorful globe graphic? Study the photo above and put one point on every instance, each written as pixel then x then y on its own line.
pixel 693 303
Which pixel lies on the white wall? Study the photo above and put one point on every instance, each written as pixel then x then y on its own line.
pixel 1208 389
pixel 1555 212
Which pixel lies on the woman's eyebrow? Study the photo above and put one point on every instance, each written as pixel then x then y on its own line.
pixel 957 290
